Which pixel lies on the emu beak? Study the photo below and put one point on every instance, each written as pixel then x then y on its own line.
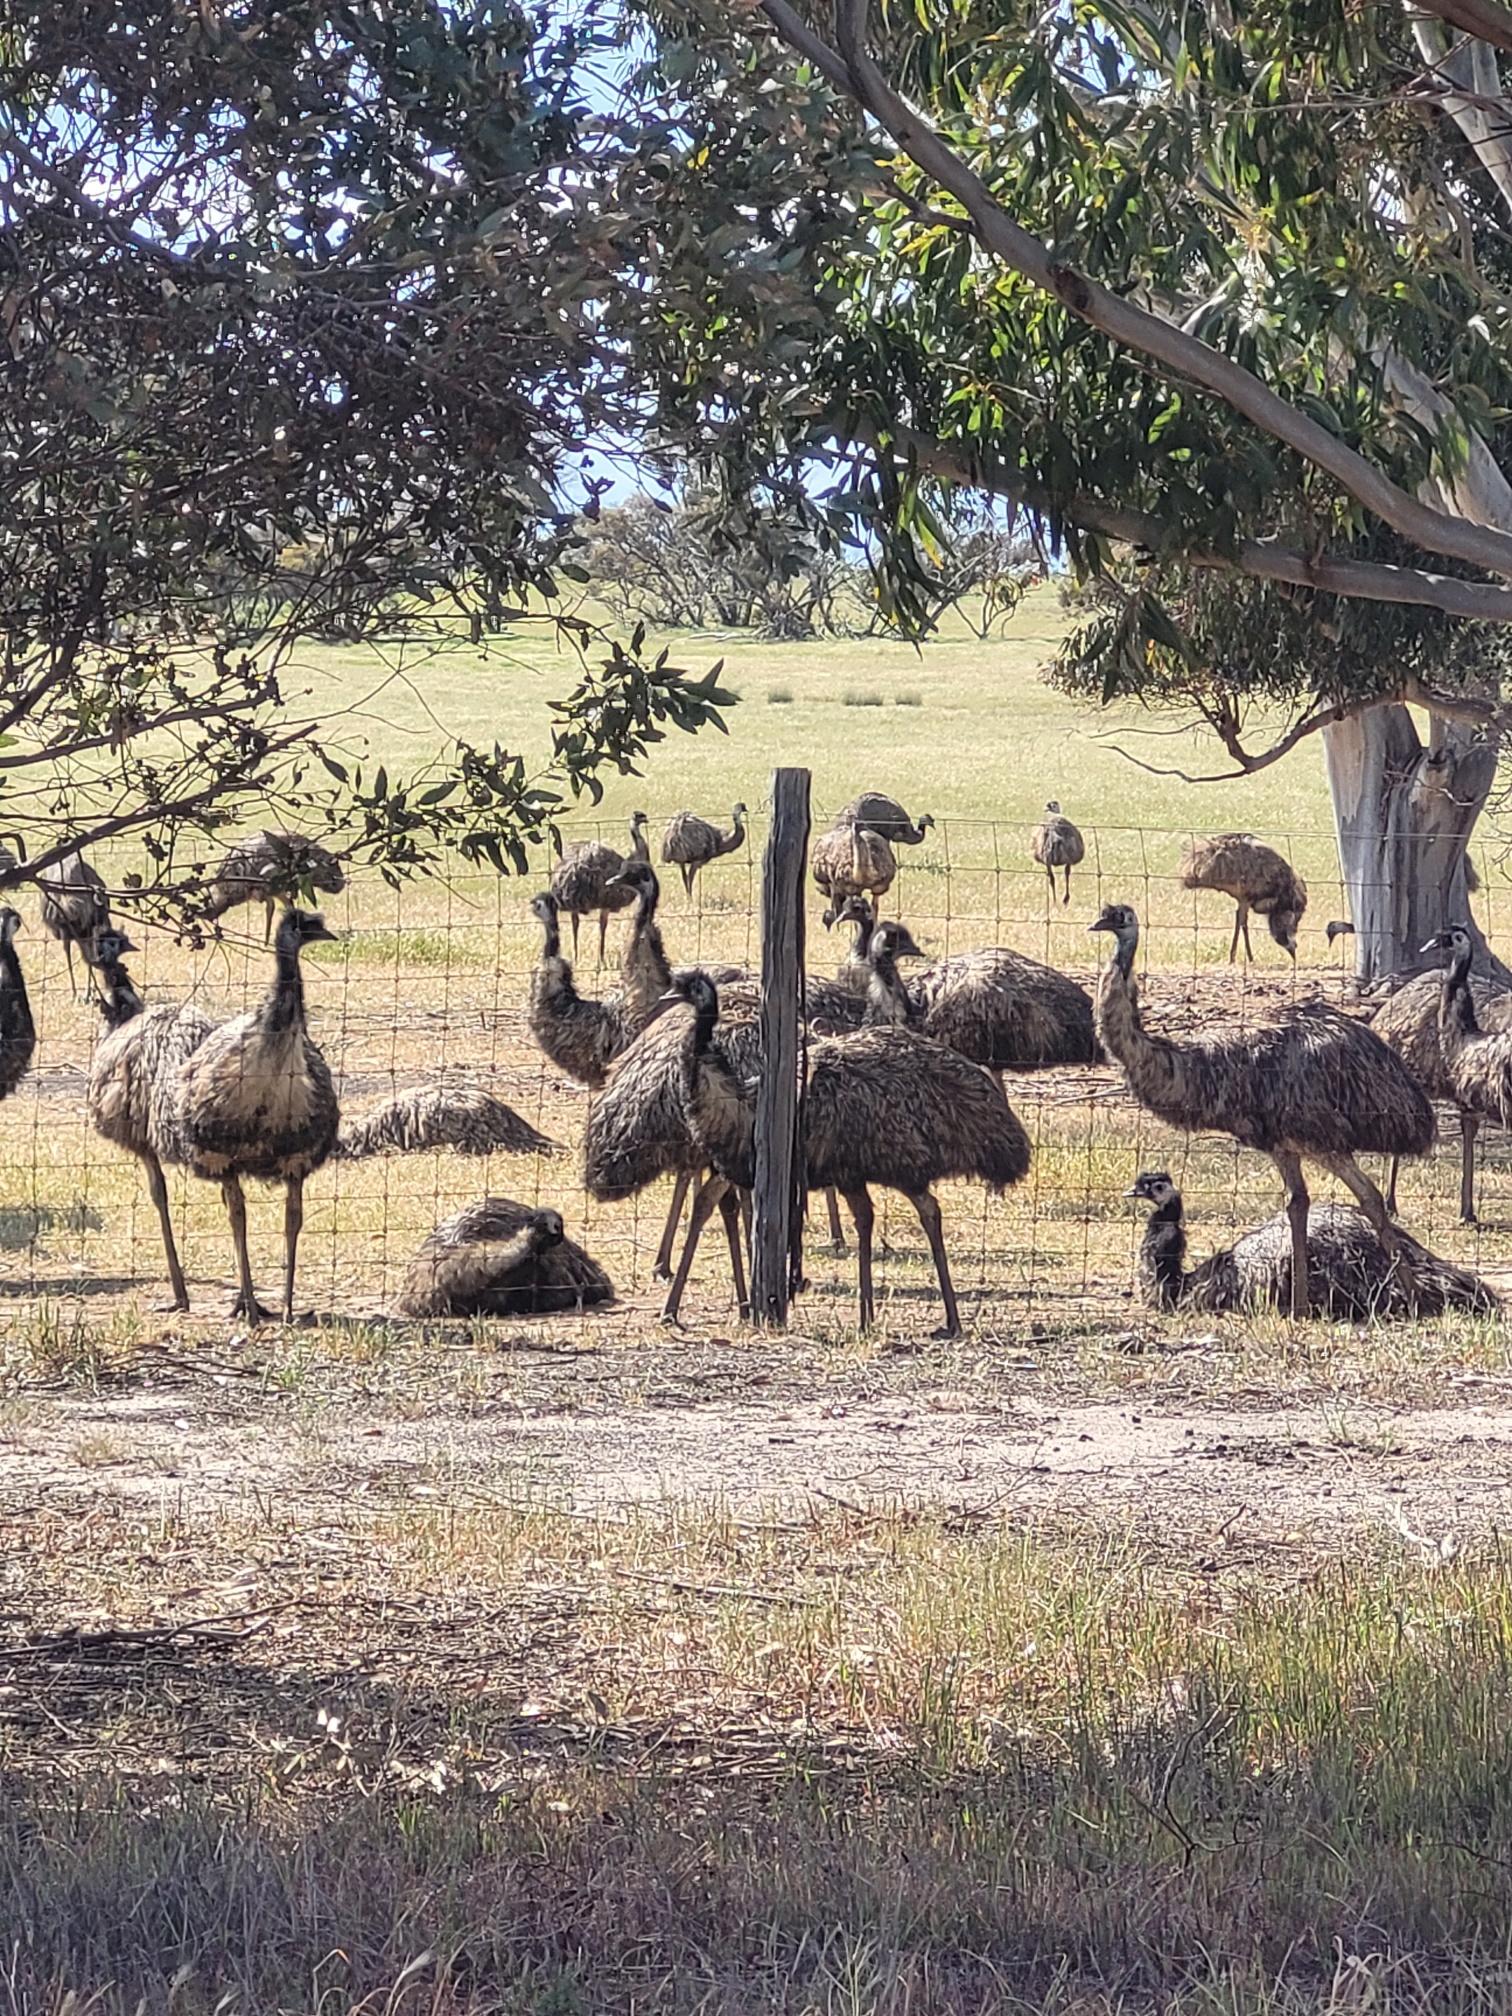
pixel 1436 944
pixel 1102 924
pixel 906 948
pixel 1133 1191
pixel 128 944
pixel 325 935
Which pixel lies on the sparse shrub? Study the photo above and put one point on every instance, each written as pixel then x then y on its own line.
pixel 780 696
pixel 854 699
pixel 909 699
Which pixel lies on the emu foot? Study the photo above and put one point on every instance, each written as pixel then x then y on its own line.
pixel 949 1330
pixel 255 1314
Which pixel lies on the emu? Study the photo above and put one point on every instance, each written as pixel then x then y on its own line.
pixel 74 908
pixel 1056 843
pixel 1351 1276
pixel 691 843
pixel 269 868
pixel 882 1107
pixel 885 816
pixel 1257 878
pixel 585 880
pixel 133 1096
pixel 1310 1084
pixel 257 1100
pixel 1408 1021
pixel 499 1258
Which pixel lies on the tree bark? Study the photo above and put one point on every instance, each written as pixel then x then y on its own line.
pixel 1404 813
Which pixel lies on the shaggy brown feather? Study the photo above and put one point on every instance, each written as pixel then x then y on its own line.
pixel 1352 1277
pixel 1308 1083
pixel 1408 1021
pixel 691 843
pixel 1056 843
pixel 852 861
pixel 1256 877
pixel 457 1114
pixel 18 1029
pixel 585 879
pixel 499 1258
pixel 269 868
pixel 885 816
pixel 74 906
pixel 1478 1061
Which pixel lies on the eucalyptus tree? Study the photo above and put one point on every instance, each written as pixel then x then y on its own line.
pixel 299 312
pixel 1219 291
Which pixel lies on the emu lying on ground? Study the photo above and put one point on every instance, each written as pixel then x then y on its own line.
pixel 1310 1083
pixel 499 1258
pixel 1350 1274
pixel 457 1113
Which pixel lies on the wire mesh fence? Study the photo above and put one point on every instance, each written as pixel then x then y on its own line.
pixel 433 978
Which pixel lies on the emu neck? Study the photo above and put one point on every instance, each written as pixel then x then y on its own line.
pixel 13 980
pixel 551 929
pixel 284 1007
pixel 122 1003
pixel 1457 1017
pixel 1163 1253
pixel 639 849
pixel 1147 1061
pixel 886 996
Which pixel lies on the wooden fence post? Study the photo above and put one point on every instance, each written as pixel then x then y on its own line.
pixel 778 1195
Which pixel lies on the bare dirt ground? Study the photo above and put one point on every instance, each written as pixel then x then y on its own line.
pixel 759 1428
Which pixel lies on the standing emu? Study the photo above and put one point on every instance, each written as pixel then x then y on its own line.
pixel 1408 1021
pixel 585 880
pixel 1056 843
pixel 1352 1277
pixel 1311 1083
pixel 74 908
pixel 18 1031
pixel 886 816
pixel 1257 878
pixel 1477 1061
pixel 270 868
pixel 581 1036
pixel 691 843
pixel 881 1107
pixel 852 861
pixel 257 1100
pixel 133 1093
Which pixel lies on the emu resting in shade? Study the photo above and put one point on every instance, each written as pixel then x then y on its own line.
pixel 499 1258
pixel 1351 1276
pixel 1310 1084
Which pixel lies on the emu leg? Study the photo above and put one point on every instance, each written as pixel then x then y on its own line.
pixel 1249 950
pixel 574 916
pixel 1469 1128
pixel 861 1210
pixel 1050 871
pixel 837 1230
pixel 73 985
pixel 1238 927
pixel 729 1210
pixel 246 1303
pixel 687 875
pixel 293 1219
pixel 928 1207
pixel 158 1190
pixel 267 920
pixel 1391 1183
pixel 603 934
pixel 1373 1204
pixel 1290 1166
pixel 709 1193
pixel 662 1269
pixel 1067 897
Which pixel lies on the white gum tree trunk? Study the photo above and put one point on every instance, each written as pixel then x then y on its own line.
pixel 1404 812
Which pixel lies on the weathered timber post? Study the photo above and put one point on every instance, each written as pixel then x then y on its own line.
pixel 779 1174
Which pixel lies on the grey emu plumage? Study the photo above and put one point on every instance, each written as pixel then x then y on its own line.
pixel 998 1007
pixel 881 1107
pixel 133 1095
pixel 638 1128
pixel 499 1258
pixel 886 816
pixel 1351 1276
pixel 580 1035
pixel 455 1113
pixel 1056 843
pixel 585 879
pixel 271 868
pixel 18 1029
pixel 1409 1022
pixel 257 1100
pixel 691 843
pixel 74 908
pixel 852 861
pixel 1477 1060
pixel 1311 1084
pixel 1256 877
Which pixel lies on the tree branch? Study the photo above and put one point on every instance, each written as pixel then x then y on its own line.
pixel 1120 319
pixel 1266 559
pixel 1485 20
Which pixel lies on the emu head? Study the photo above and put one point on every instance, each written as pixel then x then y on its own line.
pixel 1283 928
pixel 1052 804
pixel 637 875
pixel 854 910
pixel 738 811
pixel 1154 1186
pixel 110 944
pixel 298 928
pixel 544 904
pixel 10 924
pixel 547 1230
pixel 699 991
pixel 893 941
pixel 1124 925
pixel 1456 941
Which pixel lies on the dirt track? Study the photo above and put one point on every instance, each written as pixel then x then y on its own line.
pixel 1314 1473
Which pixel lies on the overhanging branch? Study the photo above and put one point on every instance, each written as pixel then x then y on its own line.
pixel 852 70
pixel 1485 20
